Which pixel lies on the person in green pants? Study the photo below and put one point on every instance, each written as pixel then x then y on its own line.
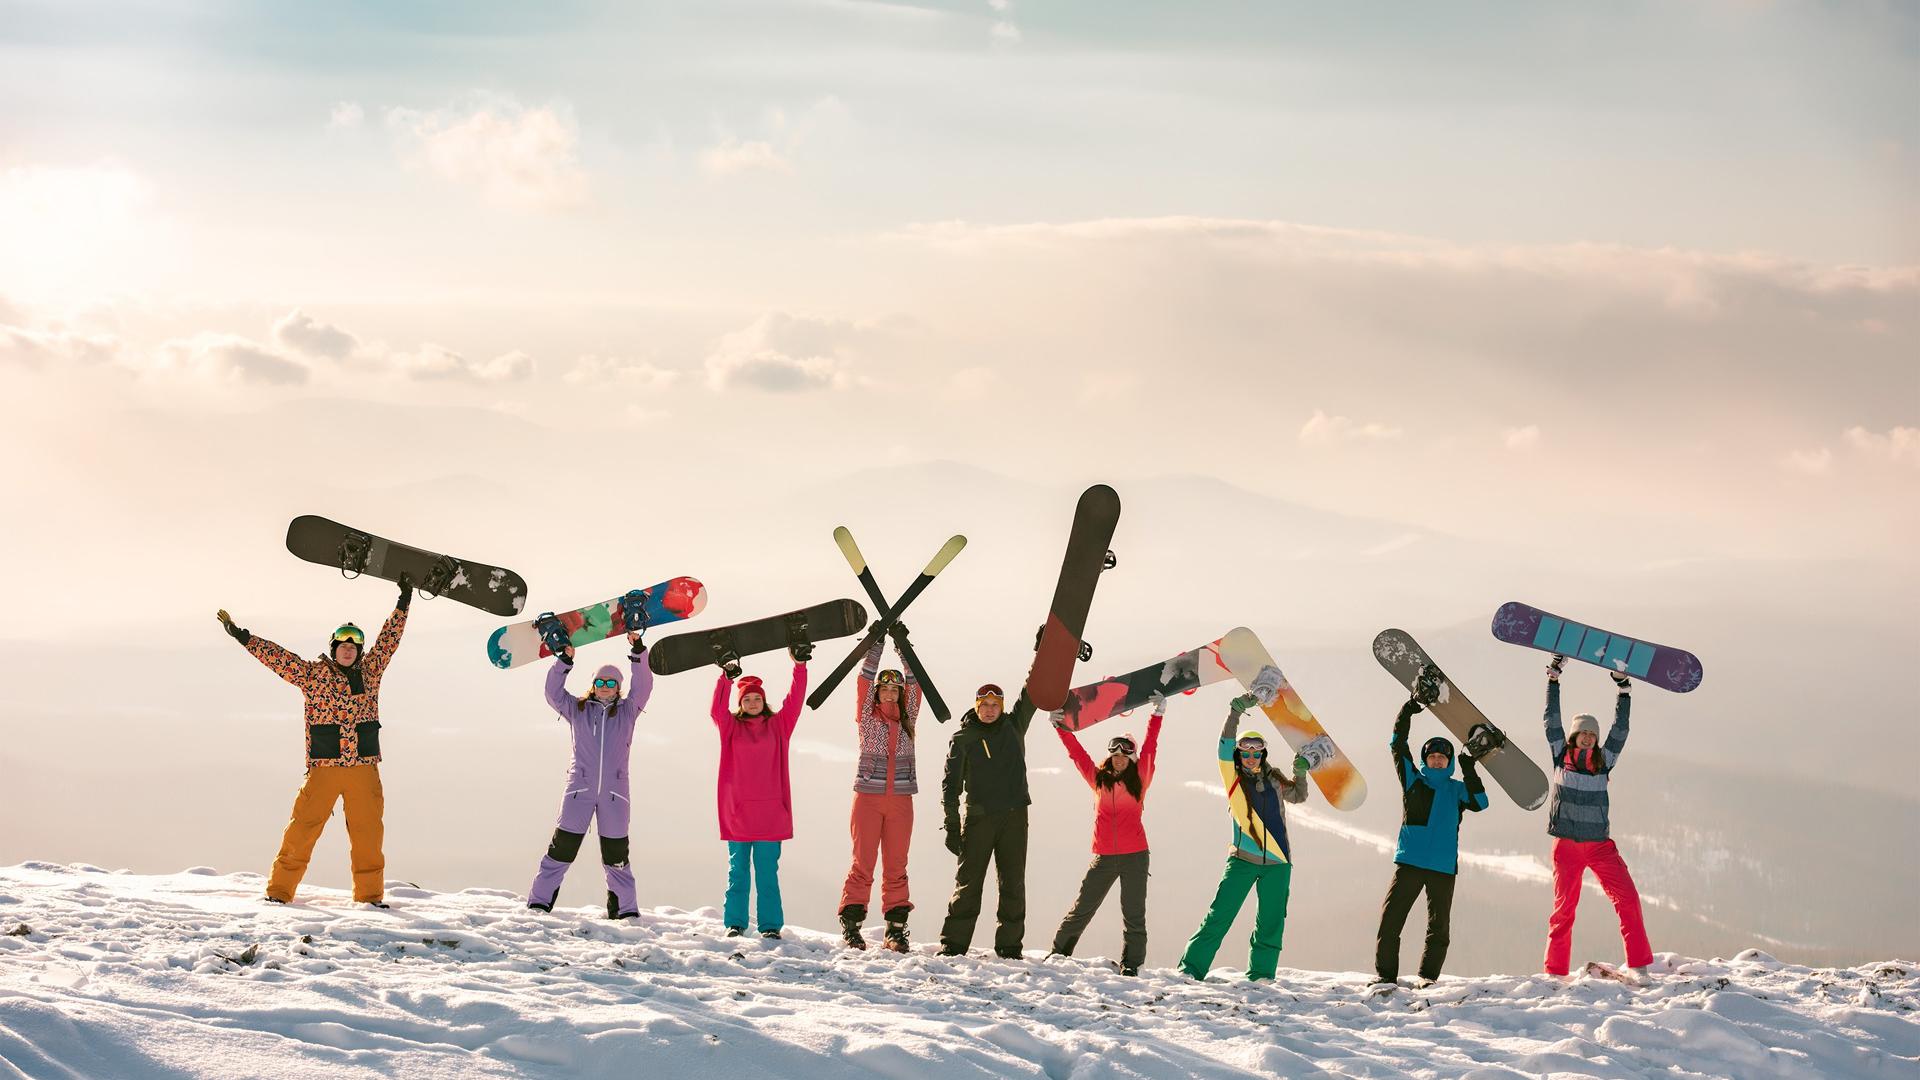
pixel 1260 860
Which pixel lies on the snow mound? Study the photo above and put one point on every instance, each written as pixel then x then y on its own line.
pixel 125 975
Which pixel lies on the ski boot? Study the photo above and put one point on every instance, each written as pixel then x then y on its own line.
pixel 770 935
pixel 1130 970
pixel 736 931
pixel 851 917
pixel 897 930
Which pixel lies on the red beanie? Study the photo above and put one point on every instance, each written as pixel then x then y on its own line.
pixel 749 684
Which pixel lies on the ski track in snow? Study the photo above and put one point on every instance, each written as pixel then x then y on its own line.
pixel 120 975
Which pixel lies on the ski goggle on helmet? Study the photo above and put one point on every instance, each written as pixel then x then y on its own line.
pixel 1120 744
pixel 349 632
pixel 989 692
pixel 1252 743
pixel 889 677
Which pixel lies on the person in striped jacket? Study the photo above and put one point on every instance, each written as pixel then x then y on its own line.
pixel 883 789
pixel 1577 820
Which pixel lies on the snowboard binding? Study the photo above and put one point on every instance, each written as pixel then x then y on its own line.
pixel 445 569
pixel 1485 739
pixel 354 548
pixel 1426 685
pixel 1109 561
pixel 553 633
pixel 633 610
pixel 724 653
pixel 797 639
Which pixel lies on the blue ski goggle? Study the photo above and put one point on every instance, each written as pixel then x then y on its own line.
pixel 606 684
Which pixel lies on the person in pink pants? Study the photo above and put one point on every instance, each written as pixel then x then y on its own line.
pixel 884 784
pixel 1577 820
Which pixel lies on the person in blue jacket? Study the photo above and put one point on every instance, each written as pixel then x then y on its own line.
pixel 1428 853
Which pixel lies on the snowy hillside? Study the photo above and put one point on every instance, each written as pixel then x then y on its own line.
pixel 121 975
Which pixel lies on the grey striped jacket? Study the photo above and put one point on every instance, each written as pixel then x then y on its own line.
pixel 1577 806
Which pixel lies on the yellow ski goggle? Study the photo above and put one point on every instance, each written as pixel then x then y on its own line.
pixel 351 633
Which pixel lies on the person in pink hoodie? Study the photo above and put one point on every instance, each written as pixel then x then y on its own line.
pixel 755 795
pixel 1119 786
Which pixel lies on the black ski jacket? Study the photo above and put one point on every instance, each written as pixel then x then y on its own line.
pixel 988 762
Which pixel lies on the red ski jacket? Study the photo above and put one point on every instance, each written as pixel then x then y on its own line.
pixel 1117 825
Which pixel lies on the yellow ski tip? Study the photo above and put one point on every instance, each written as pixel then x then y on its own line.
pixel 843 537
pixel 945 555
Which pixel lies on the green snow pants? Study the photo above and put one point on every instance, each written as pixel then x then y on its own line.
pixel 1270 918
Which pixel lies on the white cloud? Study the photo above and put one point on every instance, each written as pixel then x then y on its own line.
pixel 345 115
pixel 736 156
pixel 1523 438
pixel 303 333
pixel 1000 5
pixel 785 353
pixel 642 374
pixel 1006 31
pixel 1900 445
pixel 1809 462
pixel 516 156
pixel 228 358
pixel 436 363
pixel 36 348
pixel 1321 429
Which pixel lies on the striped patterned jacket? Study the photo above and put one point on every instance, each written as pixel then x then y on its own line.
pixel 1577 806
pixel 882 743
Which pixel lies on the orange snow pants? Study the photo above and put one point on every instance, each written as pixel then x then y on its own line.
pixel 882 827
pixel 1571 860
pixel 359 786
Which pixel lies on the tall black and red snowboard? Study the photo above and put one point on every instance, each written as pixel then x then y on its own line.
pixel 1088 554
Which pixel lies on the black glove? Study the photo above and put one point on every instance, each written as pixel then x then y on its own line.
pixel 898 632
pixel 801 651
pixel 1620 680
pixel 1412 706
pixel 1554 666
pixel 636 643
pixel 953 838
pixel 731 667
pixel 406 593
pixel 1467 761
pixel 238 633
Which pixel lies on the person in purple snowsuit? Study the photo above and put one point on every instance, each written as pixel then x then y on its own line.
pixel 602 724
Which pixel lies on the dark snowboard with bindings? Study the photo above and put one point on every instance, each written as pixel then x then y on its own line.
pixel 353 553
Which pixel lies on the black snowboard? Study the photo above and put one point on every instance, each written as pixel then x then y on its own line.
pixel 354 553
pixel 1087 555
pixel 697 648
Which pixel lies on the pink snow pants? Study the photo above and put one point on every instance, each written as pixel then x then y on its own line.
pixel 1571 860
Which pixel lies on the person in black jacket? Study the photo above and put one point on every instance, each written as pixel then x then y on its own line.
pixel 987 760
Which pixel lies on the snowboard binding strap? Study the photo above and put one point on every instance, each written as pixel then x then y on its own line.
pixel 1109 562
pixel 552 632
pixel 633 610
pixel 354 548
pixel 444 570
pixel 724 654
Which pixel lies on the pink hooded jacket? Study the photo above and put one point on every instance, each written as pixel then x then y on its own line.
pixel 755 796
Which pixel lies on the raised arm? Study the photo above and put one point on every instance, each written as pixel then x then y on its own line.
pixel 789 715
pixel 951 783
pixel 1022 714
pixel 641 681
pixel 722 693
pixel 1079 755
pixel 281 662
pixel 1556 735
pixel 914 694
pixel 1403 764
pixel 557 696
pixel 1476 799
pixel 1235 710
pixel 1617 734
pixel 1150 750
pixel 863 685
pixel 386 642
pixel 1295 790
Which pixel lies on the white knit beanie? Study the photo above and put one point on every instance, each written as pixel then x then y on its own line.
pixel 1585 722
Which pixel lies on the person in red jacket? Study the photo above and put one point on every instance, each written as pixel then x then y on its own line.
pixel 1119 837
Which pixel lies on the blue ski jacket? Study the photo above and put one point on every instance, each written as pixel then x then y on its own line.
pixel 1431 803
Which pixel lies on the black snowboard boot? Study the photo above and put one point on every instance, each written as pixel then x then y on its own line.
pixel 770 935
pixel 536 905
pixel 736 931
pixel 897 929
pixel 851 917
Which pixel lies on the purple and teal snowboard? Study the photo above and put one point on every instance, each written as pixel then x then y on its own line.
pixel 1656 665
pixel 668 602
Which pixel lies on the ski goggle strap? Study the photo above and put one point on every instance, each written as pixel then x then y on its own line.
pixel 606 684
pixel 351 633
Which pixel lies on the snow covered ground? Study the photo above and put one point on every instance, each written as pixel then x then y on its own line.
pixel 118 975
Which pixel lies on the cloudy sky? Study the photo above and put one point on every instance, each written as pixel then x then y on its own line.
pixel 1382 315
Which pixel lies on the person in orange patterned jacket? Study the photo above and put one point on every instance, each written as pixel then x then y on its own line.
pixel 342 689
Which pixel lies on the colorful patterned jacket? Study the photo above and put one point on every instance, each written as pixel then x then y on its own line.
pixel 343 721
pixel 886 749
pixel 1259 808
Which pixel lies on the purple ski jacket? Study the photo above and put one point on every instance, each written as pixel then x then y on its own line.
pixel 602 735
